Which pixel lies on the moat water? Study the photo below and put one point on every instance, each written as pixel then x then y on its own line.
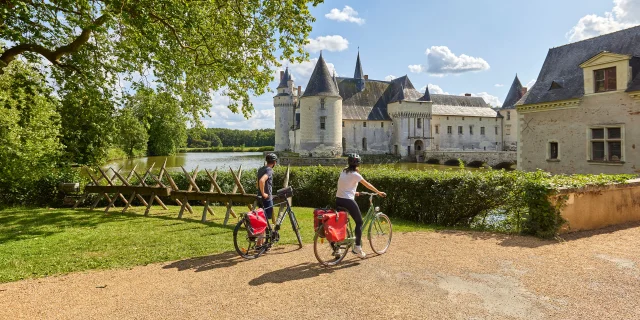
pixel 224 160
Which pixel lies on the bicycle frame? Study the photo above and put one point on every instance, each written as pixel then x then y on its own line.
pixel 366 220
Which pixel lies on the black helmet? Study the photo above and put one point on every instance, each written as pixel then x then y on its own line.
pixel 354 159
pixel 271 157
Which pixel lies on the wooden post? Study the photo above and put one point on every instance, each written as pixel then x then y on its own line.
pixel 111 184
pixel 204 212
pixel 153 195
pixel 95 182
pixel 235 188
pixel 174 186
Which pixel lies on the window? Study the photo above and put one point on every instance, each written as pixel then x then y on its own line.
pixel 364 124
pixel 322 104
pixel 381 124
pixel 507 130
pixel 508 115
pixel 459 129
pixel 322 122
pixel 343 124
pixel 496 130
pixel 482 131
pixel 447 118
pixel 395 149
pixel 606 144
pixel 449 130
pixel 553 150
pixel 470 129
pixel 605 79
pixel 419 123
pixel 437 129
pixel 480 118
pixel 462 118
pixel 364 144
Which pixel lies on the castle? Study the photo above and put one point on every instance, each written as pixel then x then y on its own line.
pixel 338 115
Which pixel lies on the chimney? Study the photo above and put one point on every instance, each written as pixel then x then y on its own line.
pixel 299 91
pixel 467 94
pixel 281 75
pixel 524 90
pixel 366 77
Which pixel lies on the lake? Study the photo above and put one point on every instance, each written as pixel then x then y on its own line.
pixel 224 160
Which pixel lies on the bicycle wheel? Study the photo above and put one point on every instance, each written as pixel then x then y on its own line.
pixel 296 227
pixel 327 253
pixel 380 233
pixel 246 246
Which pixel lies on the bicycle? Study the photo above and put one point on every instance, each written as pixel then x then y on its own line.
pixel 379 234
pixel 247 245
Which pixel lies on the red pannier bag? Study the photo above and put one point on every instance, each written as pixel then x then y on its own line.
pixel 335 226
pixel 317 213
pixel 257 221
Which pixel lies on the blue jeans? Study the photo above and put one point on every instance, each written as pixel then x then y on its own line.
pixel 267 205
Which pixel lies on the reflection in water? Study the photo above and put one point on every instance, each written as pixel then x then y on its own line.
pixel 224 160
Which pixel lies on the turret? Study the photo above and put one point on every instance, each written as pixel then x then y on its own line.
pixel 284 103
pixel 321 115
pixel 359 75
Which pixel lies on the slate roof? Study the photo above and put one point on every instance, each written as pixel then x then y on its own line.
pixel 285 77
pixel 448 105
pixel 635 84
pixel 358 74
pixel 426 96
pixel 515 94
pixel 321 83
pixel 563 64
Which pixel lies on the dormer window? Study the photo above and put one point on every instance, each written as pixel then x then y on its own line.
pixel 605 79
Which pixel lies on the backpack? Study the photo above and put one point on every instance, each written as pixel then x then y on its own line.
pixel 256 222
pixel 335 226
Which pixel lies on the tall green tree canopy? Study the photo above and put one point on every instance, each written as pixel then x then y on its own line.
pixel 189 48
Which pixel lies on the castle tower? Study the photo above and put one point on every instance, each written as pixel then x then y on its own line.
pixel 509 115
pixel 359 75
pixel 284 103
pixel 321 115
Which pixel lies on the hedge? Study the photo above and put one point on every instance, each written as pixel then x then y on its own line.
pixel 509 201
pixel 227 149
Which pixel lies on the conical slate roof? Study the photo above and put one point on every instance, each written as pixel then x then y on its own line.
pixel 358 74
pixel 286 77
pixel 515 94
pixel 321 83
pixel 426 96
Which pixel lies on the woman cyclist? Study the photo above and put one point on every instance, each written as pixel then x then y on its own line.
pixel 345 197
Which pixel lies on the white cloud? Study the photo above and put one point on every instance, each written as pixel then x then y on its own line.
pixel 488 98
pixel 434 88
pixel 329 43
pixel 301 72
pixel 346 14
pixel 530 83
pixel 389 77
pixel 625 14
pixel 499 85
pixel 441 61
pixel 416 68
pixel 221 117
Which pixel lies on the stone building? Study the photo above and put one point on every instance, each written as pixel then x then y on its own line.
pixel 339 115
pixel 583 113
pixel 509 115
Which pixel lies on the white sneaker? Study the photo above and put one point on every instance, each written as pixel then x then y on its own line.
pixel 357 250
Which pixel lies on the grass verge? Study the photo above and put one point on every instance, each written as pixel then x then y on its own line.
pixel 42 242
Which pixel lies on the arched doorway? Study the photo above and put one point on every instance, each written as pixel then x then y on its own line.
pixel 418 146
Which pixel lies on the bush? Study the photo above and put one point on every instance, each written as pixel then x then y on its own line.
pixel 227 149
pixel 41 192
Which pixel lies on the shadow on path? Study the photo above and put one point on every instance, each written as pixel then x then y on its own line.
pixel 298 272
pixel 216 261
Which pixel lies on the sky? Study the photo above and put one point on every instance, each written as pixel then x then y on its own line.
pixel 454 47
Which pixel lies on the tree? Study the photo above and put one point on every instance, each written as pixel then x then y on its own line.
pixel 132 134
pixel 191 48
pixel 29 126
pixel 162 115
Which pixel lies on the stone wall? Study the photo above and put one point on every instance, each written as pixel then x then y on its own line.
pixel 314 140
pixel 443 140
pixel 491 158
pixel 570 129
pixel 377 134
pixel 597 207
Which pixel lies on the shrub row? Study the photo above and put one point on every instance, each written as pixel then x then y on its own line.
pixel 511 201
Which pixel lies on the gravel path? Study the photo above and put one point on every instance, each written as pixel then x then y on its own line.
pixel 443 275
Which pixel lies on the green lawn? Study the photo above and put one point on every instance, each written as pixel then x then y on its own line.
pixel 42 242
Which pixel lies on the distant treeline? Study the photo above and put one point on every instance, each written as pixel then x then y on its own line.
pixel 220 137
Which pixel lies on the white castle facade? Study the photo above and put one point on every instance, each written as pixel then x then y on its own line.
pixel 336 116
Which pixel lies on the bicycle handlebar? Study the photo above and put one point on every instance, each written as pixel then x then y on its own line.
pixel 368 193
